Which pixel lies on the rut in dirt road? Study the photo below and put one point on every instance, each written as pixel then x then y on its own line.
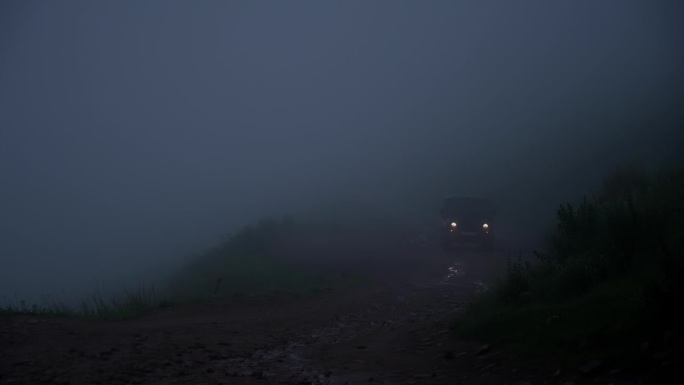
pixel 299 359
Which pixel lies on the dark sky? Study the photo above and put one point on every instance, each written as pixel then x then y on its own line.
pixel 132 131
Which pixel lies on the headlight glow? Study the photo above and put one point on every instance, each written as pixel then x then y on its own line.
pixel 453 224
pixel 485 226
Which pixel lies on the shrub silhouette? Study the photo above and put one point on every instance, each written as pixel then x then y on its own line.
pixel 612 273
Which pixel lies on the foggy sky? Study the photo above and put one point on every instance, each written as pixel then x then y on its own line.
pixel 131 132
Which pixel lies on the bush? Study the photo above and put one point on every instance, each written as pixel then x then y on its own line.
pixel 633 223
pixel 614 266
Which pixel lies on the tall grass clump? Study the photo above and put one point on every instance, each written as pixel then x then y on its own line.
pixel 128 304
pixel 124 305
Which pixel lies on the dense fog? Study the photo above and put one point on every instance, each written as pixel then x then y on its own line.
pixel 135 133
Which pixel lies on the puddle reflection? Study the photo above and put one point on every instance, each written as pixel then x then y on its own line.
pixel 454 271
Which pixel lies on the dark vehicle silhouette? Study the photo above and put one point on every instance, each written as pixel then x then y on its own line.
pixel 467 221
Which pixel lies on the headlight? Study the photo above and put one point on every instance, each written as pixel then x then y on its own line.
pixel 453 225
pixel 485 226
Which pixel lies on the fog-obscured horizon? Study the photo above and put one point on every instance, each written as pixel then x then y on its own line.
pixel 133 133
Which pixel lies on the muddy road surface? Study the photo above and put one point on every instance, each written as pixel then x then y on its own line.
pixel 394 332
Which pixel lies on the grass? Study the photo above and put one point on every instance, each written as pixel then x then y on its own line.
pixel 48 306
pixel 607 285
pixel 129 304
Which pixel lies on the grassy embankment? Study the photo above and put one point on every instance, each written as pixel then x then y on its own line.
pixel 243 263
pixel 609 284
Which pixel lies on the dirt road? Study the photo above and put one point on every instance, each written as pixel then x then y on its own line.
pixel 393 333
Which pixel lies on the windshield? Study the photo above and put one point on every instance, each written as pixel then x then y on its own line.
pixel 467 206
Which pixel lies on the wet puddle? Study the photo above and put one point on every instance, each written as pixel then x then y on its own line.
pixel 454 271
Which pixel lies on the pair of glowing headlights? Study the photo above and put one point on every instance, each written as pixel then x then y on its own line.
pixel 454 224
